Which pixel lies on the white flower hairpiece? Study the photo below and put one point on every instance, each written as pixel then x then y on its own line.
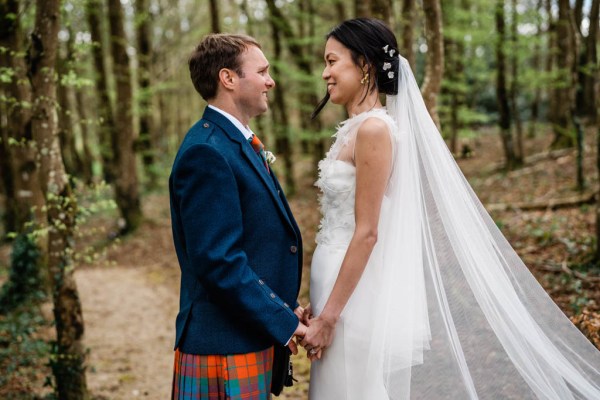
pixel 391 52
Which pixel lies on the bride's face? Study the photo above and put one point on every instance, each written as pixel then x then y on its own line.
pixel 342 75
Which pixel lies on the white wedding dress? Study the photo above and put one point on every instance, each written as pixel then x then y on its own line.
pixel 445 309
pixel 342 373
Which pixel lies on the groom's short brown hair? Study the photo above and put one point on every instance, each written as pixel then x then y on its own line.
pixel 215 52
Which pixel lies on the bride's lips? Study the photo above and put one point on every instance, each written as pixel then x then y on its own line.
pixel 329 86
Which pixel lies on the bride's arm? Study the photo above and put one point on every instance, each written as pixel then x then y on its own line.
pixel 373 159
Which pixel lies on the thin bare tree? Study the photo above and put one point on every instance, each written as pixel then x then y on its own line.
pixel 501 90
pixel 68 365
pixel 146 116
pixel 215 22
pixel 107 128
pixel 565 83
pixel 434 70
pixel 126 182
pixel 407 41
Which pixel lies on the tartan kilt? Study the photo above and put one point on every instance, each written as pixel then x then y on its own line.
pixel 222 377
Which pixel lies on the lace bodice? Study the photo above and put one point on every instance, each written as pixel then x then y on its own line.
pixel 337 181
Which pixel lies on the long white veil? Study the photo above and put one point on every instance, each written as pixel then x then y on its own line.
pixel 459 316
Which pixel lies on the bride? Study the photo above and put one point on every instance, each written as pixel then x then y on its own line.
pixel 415 294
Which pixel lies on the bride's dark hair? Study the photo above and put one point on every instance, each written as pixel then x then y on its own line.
pixel 371 43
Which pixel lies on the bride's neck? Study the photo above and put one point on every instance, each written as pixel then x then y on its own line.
pixel 369 102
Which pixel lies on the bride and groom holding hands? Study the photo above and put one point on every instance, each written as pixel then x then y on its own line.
pixel 414 292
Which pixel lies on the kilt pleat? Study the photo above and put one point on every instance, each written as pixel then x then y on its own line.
pixel 222 377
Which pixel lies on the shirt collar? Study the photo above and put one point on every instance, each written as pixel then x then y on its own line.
pixel 236 122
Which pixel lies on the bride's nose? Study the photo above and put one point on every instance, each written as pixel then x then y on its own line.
pixel 325 75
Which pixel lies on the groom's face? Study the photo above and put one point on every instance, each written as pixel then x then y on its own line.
pixel 254 83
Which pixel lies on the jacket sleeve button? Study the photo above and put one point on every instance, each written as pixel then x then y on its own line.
pixel 293 249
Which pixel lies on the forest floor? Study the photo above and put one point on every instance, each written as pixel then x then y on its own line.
pixel 130 302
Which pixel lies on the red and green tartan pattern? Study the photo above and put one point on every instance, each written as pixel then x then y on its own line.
pixel 222 377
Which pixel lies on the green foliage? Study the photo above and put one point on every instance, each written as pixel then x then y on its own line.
pixel 24 281
pixel 22 351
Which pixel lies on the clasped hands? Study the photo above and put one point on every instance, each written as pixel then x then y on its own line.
pixel 315 334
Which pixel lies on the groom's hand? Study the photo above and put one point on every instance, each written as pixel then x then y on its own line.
pixel 300 332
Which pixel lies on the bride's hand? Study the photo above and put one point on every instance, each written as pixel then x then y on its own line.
pixel 319 336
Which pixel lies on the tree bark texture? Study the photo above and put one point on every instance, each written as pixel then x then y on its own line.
pixel 308 94
pixel 590 82
pixel 126 182
pixel 280 118
pixel 383 10
pixel 408 21
pixel 550 58
pixel 514 82
pixel 107 128
pixel 564 90
pixel 25 199
pixel 144 51
pixel 214 16
pixel 362 8
pixel 501 90
pixel 434 70
pixel 536 61
pixel 69 363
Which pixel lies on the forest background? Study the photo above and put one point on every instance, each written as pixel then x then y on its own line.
pixel 95 98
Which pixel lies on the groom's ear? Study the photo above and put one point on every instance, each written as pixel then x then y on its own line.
pixel 228 78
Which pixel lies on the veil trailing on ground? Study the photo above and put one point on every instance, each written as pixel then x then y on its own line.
pixel 459 316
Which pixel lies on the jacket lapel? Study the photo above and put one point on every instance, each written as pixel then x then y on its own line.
pixel 250 155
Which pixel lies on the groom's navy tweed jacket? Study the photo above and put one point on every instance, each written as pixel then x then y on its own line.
pixel 238 245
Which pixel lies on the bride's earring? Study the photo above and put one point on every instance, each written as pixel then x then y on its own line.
pixel 365 78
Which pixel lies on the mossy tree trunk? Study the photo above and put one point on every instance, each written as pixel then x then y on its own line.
pixel 68 363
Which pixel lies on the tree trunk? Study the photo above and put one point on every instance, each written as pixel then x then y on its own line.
pixel 214 16
pixel 408 21
pixel 297 52
pixel 536 65
pixel 87 173
pixel 25 200
pixel 126 182
pixel 434 71
pixel 454 67
pixel 146 138
pixel 362 8
pixel 564 91
pixel 340 9
pixel 514 84
pixel 590 82
pixel 107 128
pixel 68 365
pixel 382 9
pixel 501 92
pixel 550 59
pixel 280 118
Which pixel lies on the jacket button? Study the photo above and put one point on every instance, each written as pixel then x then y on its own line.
pixel 206 125
pixel 286 305
pixel 272 295
pixel 260 281
pixel 294 249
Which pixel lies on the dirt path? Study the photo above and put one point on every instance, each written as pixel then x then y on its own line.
pixel 129 317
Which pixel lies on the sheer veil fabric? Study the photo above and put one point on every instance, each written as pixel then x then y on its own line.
pixel 458 315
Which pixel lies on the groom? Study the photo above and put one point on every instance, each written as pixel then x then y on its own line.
pixel 238 245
